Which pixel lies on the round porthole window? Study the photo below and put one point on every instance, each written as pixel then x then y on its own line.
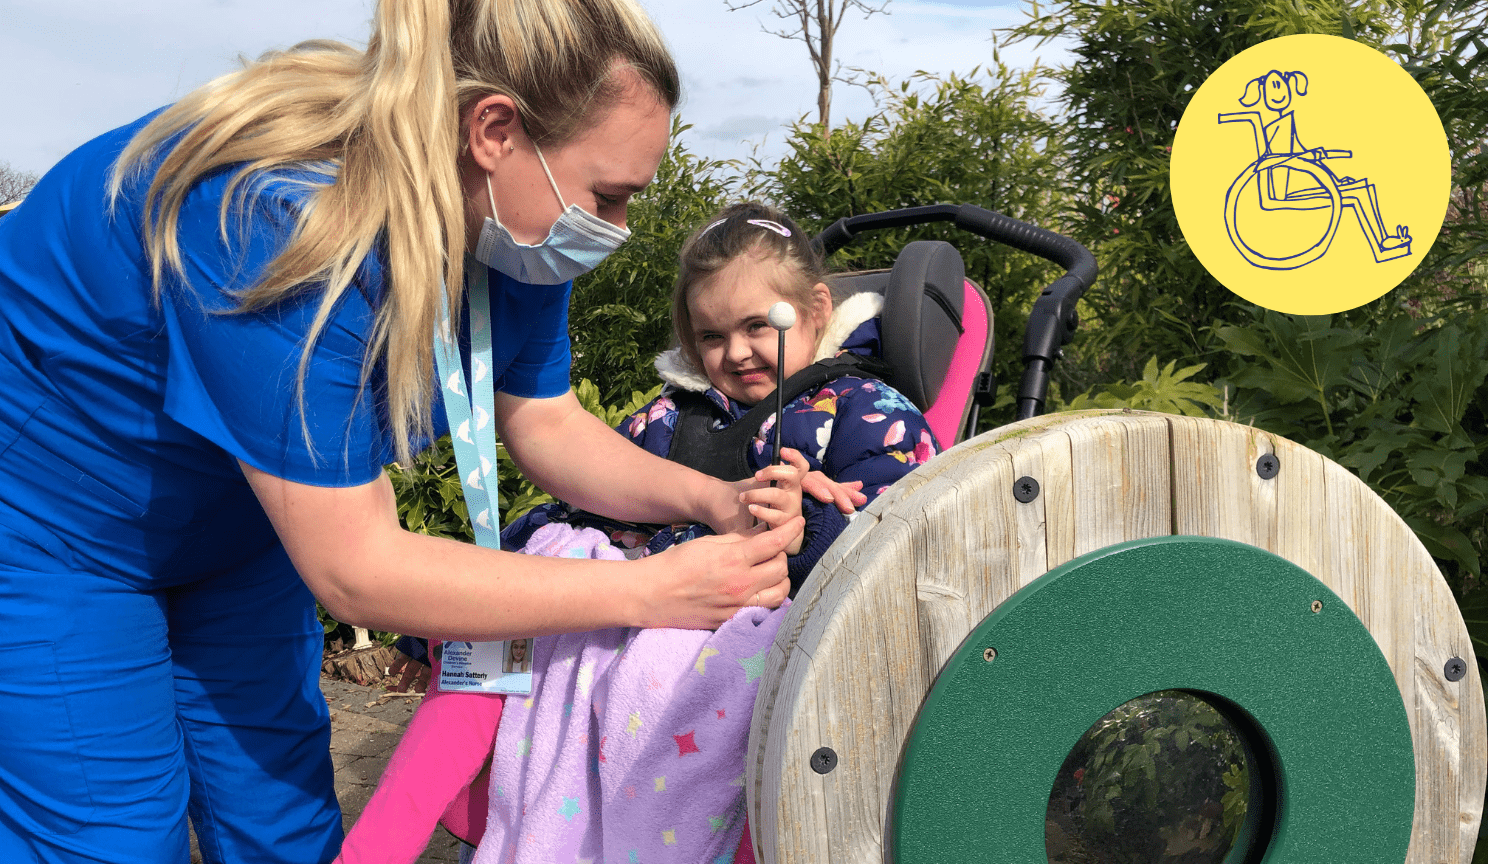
pixel 1166 778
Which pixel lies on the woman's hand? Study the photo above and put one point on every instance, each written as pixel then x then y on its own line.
pixel 775 505
pixel 701 584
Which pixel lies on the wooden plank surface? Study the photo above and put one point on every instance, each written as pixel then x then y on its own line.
pixel 896 596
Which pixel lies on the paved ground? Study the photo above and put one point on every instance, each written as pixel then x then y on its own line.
pixel 366 724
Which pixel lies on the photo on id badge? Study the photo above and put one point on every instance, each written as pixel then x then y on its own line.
pixel 1310 174
pixel 487 667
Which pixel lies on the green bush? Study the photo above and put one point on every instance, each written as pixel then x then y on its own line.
pixel 1162 390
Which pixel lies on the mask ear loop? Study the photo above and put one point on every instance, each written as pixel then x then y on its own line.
pixel 491 195
pixel 551 181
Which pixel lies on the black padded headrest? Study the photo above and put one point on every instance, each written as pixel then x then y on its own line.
pixel 924 298
pixel 924 301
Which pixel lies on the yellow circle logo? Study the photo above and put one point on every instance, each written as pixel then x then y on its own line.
pixel 1310 174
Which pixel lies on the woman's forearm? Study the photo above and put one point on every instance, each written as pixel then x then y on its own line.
pixel 446 589
pixel 350 549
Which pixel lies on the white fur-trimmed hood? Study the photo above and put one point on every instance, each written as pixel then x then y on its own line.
pixel 847 316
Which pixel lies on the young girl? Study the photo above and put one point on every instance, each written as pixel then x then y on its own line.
pixel 650 726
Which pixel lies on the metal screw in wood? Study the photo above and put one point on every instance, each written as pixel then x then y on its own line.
pixel 824 760
pixel 1317 606
pixel 1025 489
pixel 989 654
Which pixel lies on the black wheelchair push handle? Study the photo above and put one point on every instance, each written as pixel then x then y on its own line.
pixel 1053 320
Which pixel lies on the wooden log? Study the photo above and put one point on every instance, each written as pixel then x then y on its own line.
pixel 909 578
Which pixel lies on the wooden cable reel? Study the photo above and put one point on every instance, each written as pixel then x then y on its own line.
pixel 893 603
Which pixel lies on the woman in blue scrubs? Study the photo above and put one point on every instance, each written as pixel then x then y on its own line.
pixel 181 476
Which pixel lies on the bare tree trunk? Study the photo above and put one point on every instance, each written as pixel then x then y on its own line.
pixel 826 31
pixel 826 16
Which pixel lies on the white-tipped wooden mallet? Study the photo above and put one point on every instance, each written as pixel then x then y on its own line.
pixel 782 316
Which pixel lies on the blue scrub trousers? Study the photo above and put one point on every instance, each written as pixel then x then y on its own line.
pixel 122 710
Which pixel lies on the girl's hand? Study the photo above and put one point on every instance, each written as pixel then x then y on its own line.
pixel 847 497
pixel 781 503
pixel 701 584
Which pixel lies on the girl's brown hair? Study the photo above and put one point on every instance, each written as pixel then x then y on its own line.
pixel 389 120
pixel 748 228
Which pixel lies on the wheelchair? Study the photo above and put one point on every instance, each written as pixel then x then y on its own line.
pixel 1328 192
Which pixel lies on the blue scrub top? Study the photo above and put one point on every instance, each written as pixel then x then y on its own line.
pixel 122 420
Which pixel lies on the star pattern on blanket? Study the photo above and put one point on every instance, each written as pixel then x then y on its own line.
pixel 635 723
pixel 754 666
pixel 703 659
pixel 686 744
pixel 669 837
pixel 720 713
pixel 524 747
pixel 569 809
pixel 661 784
pixel 716 823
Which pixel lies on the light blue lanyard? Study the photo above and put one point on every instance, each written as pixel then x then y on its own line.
pixel 469 408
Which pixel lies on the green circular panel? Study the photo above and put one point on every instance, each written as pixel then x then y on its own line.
pixel 1230 622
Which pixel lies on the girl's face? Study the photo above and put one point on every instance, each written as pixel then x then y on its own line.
pixel 734 339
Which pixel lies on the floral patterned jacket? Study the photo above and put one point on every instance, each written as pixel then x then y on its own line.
pixel 851 428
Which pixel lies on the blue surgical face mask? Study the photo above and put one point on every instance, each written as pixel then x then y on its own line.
pixel 576 243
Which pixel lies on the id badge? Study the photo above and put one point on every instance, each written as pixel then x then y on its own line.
pixel 486 667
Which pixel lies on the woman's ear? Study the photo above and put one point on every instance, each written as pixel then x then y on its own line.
pixel 493 127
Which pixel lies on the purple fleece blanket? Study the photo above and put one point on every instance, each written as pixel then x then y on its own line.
pixel 630 749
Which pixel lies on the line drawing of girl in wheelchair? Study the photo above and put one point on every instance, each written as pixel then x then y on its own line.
pixel 1292 176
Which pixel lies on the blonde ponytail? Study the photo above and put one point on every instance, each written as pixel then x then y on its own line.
pixel 388 120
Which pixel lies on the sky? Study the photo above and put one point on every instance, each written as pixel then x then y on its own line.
pixel 72 69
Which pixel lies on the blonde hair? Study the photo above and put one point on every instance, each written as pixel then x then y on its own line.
pixel 389 121
pixel 732 233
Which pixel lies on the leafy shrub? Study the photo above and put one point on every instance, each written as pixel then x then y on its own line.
pixel 1158 390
